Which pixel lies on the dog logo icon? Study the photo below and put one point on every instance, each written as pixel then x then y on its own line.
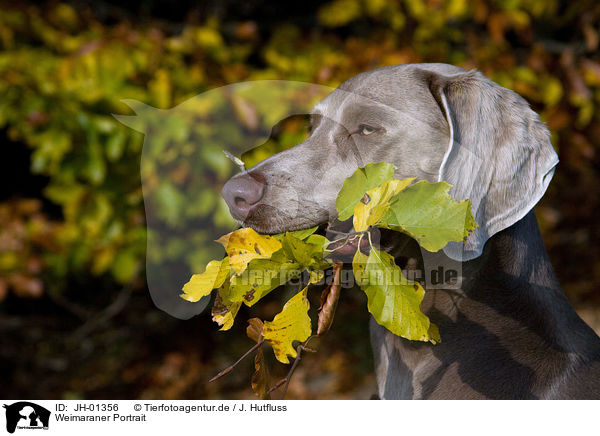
pixel 26 415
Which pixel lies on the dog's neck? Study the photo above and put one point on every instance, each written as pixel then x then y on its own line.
pixel 508 320
pixel 512 295
pixel 514 277
pixel 516 255
pixel 514 280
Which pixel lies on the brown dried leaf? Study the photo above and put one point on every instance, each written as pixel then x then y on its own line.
pixel 255 329
pixel 261 379
pixel 329 299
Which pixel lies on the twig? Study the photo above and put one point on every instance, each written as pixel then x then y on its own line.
pixel 288 378
pixel 286 381
pixel 337 232
pixel 109 312
pixel 236 160
pixel 277 385
pixel 74 308
pixel 346 242
pixel 229 368
pixel 338 240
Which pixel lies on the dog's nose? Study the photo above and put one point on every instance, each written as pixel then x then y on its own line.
pixel 242 192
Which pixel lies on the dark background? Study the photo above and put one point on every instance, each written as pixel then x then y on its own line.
pixel 76 319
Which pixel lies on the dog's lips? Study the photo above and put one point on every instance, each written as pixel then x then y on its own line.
pixel 269 229
pixel 254 220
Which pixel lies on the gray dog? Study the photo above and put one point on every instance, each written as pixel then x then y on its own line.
pixel 507 329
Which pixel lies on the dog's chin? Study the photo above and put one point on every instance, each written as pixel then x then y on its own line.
pixel 269 220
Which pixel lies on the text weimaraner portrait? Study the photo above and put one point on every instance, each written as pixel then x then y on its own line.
pixel 507 331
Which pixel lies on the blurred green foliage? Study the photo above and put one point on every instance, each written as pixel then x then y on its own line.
pixel 65 70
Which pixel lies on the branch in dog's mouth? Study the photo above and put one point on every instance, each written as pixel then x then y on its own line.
pixel 345 241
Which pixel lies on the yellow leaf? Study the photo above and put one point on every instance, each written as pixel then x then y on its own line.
pixel 200 285
pixel 224 310
pixel 244 245
pixel 434 334
pixel 226 319
pixel 291 324
pixel 315 276
pixel 359 265
pixel 376 202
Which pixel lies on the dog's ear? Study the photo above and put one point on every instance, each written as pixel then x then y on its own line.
pixel 499 157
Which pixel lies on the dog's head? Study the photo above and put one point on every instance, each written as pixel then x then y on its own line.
pixel 433 121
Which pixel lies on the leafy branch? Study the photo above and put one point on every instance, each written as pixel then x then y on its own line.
pixel 258 264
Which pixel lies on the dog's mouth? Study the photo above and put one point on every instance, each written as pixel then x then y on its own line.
pixel 344 241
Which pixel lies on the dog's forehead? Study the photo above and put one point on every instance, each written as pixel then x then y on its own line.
pixel 341 102
pixel 390 89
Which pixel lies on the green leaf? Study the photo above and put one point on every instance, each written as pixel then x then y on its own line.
pixel 245 244
pixel 426 212
pixel 304 233
pixel 300 234
pixel 291 324
pixel 307 255
pixel 393 300
pixel 319 240
pixel 354 188
pixel 262 276
pixel 200 285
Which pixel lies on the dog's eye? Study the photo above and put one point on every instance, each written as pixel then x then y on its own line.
pixel 365 130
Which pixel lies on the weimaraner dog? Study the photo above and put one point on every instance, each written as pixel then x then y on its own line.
pixel 507 330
